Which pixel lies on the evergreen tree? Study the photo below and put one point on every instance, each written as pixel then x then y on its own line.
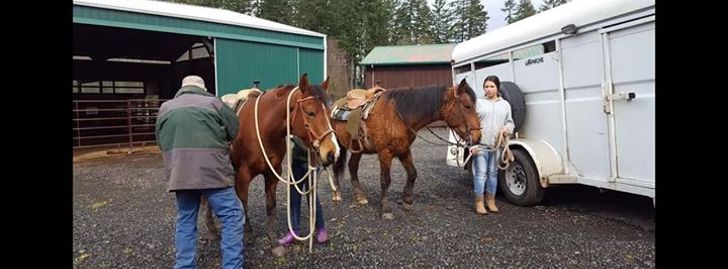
pixel 442 21
pixel 240 6
pixel 524 10
pixel 314 15
pixel 276 10
pixel 509 7
pixel 470 19
pixel 404 30
pixel 422 22
pixel 477 19
pixel 549 4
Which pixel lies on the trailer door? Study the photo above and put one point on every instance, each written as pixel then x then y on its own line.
pixel 630 50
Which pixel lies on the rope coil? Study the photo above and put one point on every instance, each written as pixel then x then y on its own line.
pixel 311 175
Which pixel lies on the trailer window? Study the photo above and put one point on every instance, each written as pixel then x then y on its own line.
pixel 490 61
pixel 534 50
pixel 462 69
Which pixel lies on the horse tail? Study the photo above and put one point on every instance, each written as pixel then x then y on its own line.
pixel 339 164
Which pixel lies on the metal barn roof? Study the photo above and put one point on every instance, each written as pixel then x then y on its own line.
pixel 192 12
pixel 410 54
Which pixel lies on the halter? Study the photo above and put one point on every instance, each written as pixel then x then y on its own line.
pixel 311 134
pixel 458 99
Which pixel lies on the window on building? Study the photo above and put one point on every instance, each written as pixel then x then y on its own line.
pixel 197 51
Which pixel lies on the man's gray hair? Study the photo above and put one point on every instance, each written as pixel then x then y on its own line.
pixel 193 81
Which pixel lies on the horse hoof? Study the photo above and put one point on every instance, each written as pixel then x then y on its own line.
pixel 407 206
pixel 362 201
pixel 388 216
pixel 337 198
pixel 278 251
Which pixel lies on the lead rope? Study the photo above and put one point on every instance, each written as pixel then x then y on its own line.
pixel 506 156
pixel 289 177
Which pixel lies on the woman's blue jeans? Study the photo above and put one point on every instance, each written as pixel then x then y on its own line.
pixel 485 173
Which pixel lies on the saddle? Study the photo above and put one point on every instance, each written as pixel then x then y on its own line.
pixel 236 100
pixel 354 108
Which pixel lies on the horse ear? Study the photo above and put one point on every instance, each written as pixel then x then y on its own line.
pixel 303 83
pixel 325 84
pixel 463 84
pixel 463 87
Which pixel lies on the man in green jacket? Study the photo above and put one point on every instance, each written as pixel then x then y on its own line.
pixel 194 131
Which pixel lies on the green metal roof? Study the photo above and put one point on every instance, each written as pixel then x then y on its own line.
pixel 410 54
pixel 192 20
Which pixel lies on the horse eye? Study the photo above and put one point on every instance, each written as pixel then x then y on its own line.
pixel 467 106
pixel 310 114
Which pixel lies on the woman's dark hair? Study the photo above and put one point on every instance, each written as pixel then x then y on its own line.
pixel 493 79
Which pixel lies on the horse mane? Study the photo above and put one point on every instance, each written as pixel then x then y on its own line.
pixel 420 102
pixel 316 91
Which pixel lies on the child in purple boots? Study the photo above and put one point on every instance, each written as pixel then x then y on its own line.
pixel 300 167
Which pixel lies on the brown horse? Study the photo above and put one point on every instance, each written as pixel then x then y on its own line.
pixel 390 129
pixel 309 120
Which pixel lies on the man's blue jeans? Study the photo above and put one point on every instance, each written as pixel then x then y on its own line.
pixel 300 169
pixel 485 173
pixel 228 209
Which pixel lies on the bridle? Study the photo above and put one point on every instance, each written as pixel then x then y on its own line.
pixel 458 100
pixel 312 136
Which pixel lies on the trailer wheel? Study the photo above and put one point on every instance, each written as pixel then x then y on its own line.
pixel 513 95
pixel 519 182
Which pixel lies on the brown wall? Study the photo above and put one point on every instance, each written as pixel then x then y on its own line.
pixel 408 75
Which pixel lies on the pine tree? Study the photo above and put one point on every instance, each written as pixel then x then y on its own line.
pixel 404 14
pixel 524 10
pixel 422 22
pixel 477 19
pixel 442 21
pixel 314 15
pixel 240 6
pixel 549 4
pixel 509 7
pixel 276 10
pixel 470 19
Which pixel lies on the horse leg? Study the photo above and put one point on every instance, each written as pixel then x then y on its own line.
pixel 242 186
pixel 385 163
pixel 336 195
pixel 354 173
pixel 270 211
pixel 336 172
pixel 406 160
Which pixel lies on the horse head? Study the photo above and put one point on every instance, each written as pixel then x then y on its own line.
pixel 460 114
pixel 310 120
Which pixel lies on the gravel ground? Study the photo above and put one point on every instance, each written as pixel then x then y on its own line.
pixel 124 218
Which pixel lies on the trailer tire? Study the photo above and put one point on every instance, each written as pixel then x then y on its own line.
pixel 519 183
pixel 511 93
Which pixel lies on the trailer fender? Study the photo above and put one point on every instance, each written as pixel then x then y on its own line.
pixel 547 159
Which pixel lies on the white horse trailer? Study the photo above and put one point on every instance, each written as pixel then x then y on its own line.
pixel 581 82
